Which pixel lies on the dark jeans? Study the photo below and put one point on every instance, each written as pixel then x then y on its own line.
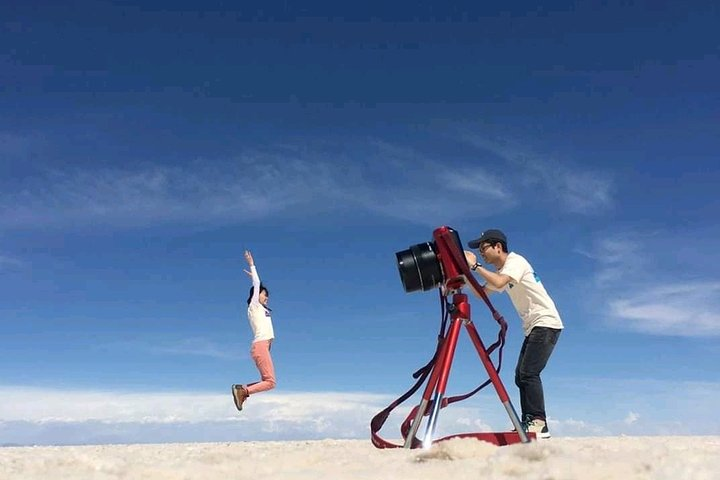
pixel 534 354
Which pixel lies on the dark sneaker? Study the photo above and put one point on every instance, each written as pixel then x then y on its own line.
pixel 240 394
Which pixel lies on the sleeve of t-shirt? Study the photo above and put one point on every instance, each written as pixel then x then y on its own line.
pixel 514 268
pixel 256 285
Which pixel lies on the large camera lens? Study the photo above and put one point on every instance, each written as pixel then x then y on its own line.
pixel 419 267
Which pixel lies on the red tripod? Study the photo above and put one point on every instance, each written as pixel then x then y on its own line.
pixel 455 267
pixel 437 383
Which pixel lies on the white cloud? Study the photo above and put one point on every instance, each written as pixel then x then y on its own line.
pixel 432 200
pixel 43 415
pixel 475 424
pixel 578 191
pixel 627 281
pixel 477 182
pixel 378 177
pixel 573 427
pixel 388 179
pixel 691 309
pixel 54 416
pixel 47 416
pixel 619 259
pixel 143 196
pixel 631 418
pixel 401 183
pixel 572 188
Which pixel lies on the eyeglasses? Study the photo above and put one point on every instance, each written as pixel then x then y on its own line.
pixel 484 247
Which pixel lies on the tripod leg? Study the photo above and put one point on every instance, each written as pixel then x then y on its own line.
pixel 427 393
pixel 416 423
pixel 497 383
pixel 429 387
pixel 444 373
pixel 422 408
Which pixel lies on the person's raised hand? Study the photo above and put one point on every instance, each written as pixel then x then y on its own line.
pixel 249 258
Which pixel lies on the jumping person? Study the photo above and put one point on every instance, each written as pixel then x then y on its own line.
pixel 263 335
pixel 540 319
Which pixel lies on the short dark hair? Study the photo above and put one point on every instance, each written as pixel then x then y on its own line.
pixel 252 290
pixel 502 244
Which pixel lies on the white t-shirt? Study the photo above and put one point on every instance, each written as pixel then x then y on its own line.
pixel 258 314
pixel 528 295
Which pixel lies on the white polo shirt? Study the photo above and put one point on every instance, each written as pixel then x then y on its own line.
pixel 259 315
pixel 528 295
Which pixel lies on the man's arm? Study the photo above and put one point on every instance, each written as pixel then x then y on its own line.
pixel 497 281
pixel 485 288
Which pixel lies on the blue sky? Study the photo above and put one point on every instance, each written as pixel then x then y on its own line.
pixel 143 148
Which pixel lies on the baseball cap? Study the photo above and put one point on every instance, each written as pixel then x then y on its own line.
pixel 487 236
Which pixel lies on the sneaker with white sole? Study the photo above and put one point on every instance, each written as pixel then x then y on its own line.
pixel 538 427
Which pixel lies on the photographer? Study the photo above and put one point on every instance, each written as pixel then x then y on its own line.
pixel 540 319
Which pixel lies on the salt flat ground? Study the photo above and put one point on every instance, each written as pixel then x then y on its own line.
pixel 458 459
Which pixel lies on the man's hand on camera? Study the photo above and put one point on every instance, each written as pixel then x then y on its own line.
pixel 470 258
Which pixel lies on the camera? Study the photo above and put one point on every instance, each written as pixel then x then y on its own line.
pixel 428 265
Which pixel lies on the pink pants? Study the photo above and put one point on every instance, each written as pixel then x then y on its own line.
pixel 260 353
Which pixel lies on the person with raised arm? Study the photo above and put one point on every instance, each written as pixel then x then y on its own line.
pixel 259 316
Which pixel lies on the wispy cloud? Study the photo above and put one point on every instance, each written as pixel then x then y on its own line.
pixel 618 258
pixel 479 182
pixel 413 187
pixel 578 191
pixel 143 196
pixel 626 276
pixel 573 188
pixel 378 177
pixel 392 180
pixel 690 309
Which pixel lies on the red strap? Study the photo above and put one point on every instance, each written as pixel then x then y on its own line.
pixel 379 420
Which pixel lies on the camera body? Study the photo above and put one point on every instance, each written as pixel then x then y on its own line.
pixel 428 265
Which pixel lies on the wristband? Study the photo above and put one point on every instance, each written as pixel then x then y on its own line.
pixel 475 267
